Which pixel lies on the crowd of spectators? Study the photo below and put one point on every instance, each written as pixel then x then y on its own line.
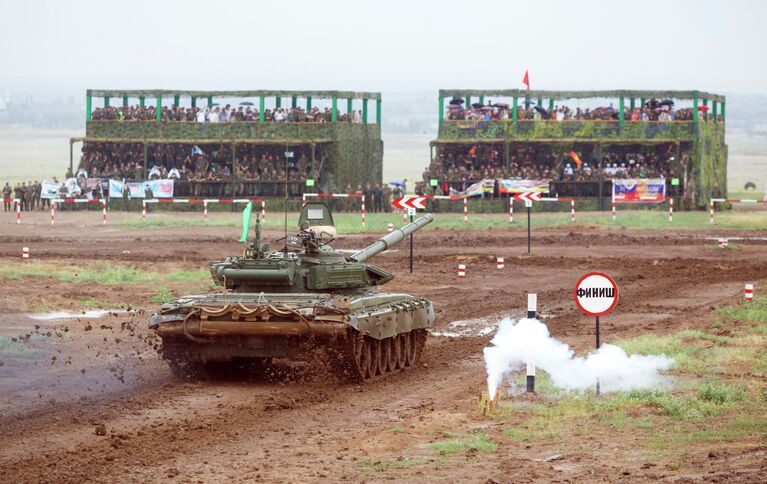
pixel 652 110
pixel 461 166
pixel 27 193
pixel 225 114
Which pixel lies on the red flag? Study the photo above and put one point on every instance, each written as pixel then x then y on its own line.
pixel 576 158
pixel 526 80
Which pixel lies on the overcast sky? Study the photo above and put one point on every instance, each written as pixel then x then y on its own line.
pixel 391 44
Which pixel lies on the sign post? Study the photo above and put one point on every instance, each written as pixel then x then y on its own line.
pixel 596 294
pixel 410 204
pixel 528 198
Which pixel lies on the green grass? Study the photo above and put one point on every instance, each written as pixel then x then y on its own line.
pixel 8 348
pixel 163 296
pixel 481 442
pixel 101 273
pixel 349 223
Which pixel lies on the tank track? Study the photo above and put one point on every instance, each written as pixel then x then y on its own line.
pixel 360 358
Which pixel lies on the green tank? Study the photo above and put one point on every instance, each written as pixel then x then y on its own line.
pixel 289 302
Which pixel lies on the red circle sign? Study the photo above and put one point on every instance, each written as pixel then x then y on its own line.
pixel 596 294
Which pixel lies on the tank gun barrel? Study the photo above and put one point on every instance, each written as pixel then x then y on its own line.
pixel 392 239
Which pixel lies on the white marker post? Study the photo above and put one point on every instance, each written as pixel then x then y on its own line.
pixel 596 294
pixel 748 293
pixel 532 303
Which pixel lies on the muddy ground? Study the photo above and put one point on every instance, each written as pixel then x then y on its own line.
pixel 77 374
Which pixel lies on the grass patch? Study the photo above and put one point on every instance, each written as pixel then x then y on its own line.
pixel 8 347
pixel 402 463
pixel 349 223
pixel 163 296
pixel 99 273
pixel 481 442
pixel 398 430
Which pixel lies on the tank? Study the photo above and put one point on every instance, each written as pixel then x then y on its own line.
pixel 288 303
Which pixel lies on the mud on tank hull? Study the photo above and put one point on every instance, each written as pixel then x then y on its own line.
pixel 366 335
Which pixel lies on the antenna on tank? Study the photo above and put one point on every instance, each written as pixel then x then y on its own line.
pixel 288 154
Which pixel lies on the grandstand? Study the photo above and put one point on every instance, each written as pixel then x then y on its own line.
pixel 580 141
pixel 233 143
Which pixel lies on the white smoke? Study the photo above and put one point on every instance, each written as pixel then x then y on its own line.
pixel 527 340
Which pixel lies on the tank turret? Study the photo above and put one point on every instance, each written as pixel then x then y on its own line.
pixel 307 263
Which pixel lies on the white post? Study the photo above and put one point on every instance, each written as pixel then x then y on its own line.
pixel 511 209
pixel 532 303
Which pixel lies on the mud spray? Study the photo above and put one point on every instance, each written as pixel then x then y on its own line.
pixel 528 340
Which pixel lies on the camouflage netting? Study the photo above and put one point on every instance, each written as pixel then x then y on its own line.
pixel 578 130
pixel 357 157
pixel 214 132
pixel 709 164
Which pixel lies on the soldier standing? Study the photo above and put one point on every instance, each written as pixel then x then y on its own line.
pixel 148 195
pixel 7 190
pixel 36 194
pixel 126 197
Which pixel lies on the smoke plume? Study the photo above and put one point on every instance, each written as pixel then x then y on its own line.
pixel 528 340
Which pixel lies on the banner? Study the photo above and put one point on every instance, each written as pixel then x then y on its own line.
pixel 160 188
pixel 505 186
pixel 49 190
pixel 639 190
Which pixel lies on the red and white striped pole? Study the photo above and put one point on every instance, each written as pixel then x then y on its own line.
pixel 104 211
pixel 263 210
pixel 748 292
pixel 205 209
pixel 511 210
pixel 465 210
pixel 143 209
pixel 363 210
pixel 711 212
pixel 572 210
pixel 722 243
pixel 53 212
pixel 390 228
pixel 404 216
pixel 613 210
pixel 25 253
pixel 461 271
pixel 670 209
pixel 18 211
pixel 499 262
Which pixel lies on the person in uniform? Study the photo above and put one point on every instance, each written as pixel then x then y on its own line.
pixel 7 191
pixel 148 195
pixel 126 197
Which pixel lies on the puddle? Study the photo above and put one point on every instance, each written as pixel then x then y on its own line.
pixel 56 315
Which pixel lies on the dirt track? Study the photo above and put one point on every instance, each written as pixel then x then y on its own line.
pixel 301 424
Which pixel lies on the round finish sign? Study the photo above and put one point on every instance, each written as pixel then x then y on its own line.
pixel 596 294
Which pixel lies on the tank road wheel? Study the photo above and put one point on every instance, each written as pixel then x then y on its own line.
pixel 182 366
pixel 366 361
pixel 402 351
pixel 420 342
pixel 389 354
pixel 412 348
pixel 350 364
pixel 378 362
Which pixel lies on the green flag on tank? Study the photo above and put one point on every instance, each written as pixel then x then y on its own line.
pixel 246 221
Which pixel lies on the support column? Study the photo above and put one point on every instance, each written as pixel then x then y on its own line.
pixel 334 110
pixel 482 100
pixel 540 102
pixel 468 102
pixel 705 113
pixel 146 163
pixel 514 113
pixel 261 108
pixel 349 109
pixel 106 101
pixel 210 101
pixel 194 102
pixel 278 102
pixel 365 111
pixel 378 112
pixel 158 109
pixel 141 101
pixel 695 111
pixel 234 171
pixel 293 102
pixel 71 156
pixel 631 104
pixel 88 108
pixel 713 110
pixel 176 100
pixel 125 101
pixel 308 103
pixel 621 113
pixel 551 105
pixel 723 107
pixel 441 109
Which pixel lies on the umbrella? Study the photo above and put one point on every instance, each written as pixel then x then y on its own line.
pixel 702 108
pixel 502 105
pixel 246 103
pixel 477 105
pixel 454 106
pixel 456 100
pixel 544 113
pixel 668 102
pixel 397 183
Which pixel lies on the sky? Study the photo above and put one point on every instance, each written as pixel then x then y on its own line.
pixel 383 45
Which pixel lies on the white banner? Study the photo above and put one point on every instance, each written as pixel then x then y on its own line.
pixel 49 190
pixel 160 188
